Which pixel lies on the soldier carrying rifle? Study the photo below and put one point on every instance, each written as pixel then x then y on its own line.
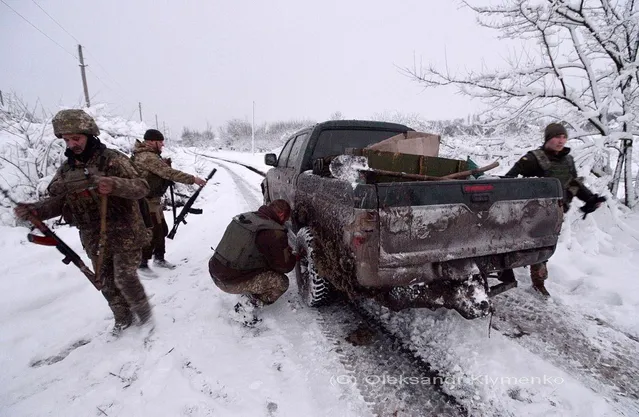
pixel 159 174
pixel 97 190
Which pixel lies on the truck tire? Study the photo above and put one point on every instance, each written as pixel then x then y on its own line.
pixel 314 289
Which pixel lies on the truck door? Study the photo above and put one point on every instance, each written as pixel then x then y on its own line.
pixel 293 168
pixel 274 176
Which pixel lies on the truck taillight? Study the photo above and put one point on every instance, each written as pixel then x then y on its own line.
pixel 358 239
pixel 479 188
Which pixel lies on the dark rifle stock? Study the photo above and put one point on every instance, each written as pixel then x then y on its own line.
pixel 187 208
pixel 51 239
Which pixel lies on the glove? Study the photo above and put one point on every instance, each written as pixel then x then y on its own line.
pixel 592 204
pixel 168 161
pixel 24 211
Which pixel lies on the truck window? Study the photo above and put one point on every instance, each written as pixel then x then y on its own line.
pixel 281 161
pixel 334 142
pixel 294 156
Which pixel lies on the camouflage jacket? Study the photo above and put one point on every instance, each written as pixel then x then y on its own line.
pixel 74 195
pixel 156 172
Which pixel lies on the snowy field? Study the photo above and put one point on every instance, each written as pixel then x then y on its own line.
pixel 58 358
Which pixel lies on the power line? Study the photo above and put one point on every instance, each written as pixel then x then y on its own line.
pixel 67 51
pixel 103 69
pixel 77 41
pixel 36 28
pixel 56 22
pixel 117 93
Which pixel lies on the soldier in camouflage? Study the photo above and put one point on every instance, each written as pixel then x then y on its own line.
pixel 159 174
pixel 553 159
pixel 91 173
pixel 253 256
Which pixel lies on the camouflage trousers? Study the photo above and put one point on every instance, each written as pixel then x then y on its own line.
pixel 538 273
pixel 122 287
pixel 160 230
pixel 267 286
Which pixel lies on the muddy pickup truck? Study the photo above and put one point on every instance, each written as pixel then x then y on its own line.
pixel 407 243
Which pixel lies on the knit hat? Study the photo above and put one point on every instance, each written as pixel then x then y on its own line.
pixel 153 134
pixel 553 130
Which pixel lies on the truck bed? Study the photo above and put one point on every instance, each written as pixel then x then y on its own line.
pixel 438 221
pixel 408 231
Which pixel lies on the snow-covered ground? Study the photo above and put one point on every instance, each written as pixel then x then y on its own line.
pixel 197 361
pixel 57 358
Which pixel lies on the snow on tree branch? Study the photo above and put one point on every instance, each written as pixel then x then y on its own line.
pixel 578 64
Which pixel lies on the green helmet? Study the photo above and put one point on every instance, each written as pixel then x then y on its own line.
pixel 74 121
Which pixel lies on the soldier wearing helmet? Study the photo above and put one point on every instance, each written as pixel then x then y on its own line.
pixel 90 173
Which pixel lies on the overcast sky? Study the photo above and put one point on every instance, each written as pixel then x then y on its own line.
pixel 198 62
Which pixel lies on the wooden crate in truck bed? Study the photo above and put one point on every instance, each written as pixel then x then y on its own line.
pixel 409 164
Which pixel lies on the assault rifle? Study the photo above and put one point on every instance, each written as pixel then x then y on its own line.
pixel 173 202
pixel 187 208
pixel 51 239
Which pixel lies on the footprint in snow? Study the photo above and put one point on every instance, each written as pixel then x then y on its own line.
pixel 60 356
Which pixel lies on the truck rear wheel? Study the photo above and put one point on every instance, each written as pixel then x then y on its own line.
pixel 314 289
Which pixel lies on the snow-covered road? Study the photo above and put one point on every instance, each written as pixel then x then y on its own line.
pixel 58 359
pixel 197 362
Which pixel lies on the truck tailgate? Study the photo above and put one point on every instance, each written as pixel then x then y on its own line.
pixel 422 222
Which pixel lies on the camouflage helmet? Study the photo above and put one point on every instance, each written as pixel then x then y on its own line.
pixel 74 121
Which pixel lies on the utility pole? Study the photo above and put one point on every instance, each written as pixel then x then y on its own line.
pixel 156 122
pixel 253 131
pixel 84 76
pixel 140 108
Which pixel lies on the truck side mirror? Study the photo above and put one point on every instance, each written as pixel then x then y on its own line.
pixel 270 159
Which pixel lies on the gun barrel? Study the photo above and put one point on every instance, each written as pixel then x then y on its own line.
pixel 187 208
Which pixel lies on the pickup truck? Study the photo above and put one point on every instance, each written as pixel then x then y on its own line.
pixel 407 244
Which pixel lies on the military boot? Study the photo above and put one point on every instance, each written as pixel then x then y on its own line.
pixel 145 271
pixel 160 262
pixel 121 324
pixel 244 312
pixel 538 275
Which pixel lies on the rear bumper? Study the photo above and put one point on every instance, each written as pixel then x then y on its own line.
pixel 394 275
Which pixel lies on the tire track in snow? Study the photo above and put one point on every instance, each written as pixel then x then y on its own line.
pixel 246 189
pixel 390 378
pixel 599 356
pixel 604 362
pixel 384 357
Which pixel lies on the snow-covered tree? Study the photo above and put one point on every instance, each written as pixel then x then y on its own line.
pixel 30 153
pixel 578 65
pixel 336 115
pixel 236 134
